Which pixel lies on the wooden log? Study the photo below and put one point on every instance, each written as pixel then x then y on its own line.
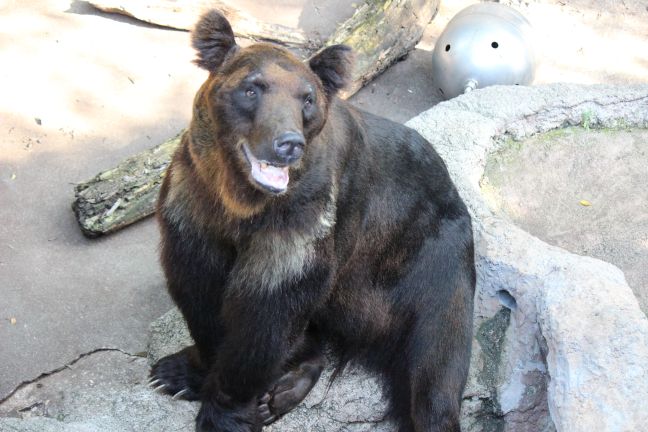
pixel 183 14
pixel 380 33
pixel 125 194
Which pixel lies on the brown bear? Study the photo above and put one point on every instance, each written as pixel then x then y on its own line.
pixel 294 224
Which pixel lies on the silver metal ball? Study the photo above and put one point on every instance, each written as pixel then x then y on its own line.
pixel 483 45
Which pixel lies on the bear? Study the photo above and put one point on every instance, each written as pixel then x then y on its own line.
pixel 295 228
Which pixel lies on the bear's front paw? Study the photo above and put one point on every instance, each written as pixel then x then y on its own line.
pixel 178 375
pixel 213 417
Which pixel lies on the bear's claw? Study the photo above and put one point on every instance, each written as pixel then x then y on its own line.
pixel 177 376
pixel 265 413
pixel 179 394
pixel 153 382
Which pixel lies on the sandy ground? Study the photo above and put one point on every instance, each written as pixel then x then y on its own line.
pixel 582 190
pixel 81 90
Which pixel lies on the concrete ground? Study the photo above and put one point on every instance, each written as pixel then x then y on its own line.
pixel 81 90
pixel 583 191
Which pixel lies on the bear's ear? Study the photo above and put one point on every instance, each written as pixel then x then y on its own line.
pixel 333 66
pixel 213 38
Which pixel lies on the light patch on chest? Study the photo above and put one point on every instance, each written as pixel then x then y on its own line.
pixel 326 220
pixel 272 259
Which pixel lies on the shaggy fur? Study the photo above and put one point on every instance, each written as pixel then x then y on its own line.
pixel 367 252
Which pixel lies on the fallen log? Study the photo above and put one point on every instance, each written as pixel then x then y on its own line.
pixel 183 14
pixel 125 194
pixel 380 33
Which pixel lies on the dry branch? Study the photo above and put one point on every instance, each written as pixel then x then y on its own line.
pixel 380 32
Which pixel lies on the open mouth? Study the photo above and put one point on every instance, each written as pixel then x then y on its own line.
pixel 271 177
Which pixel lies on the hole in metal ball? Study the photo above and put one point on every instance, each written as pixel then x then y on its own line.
pixel 494 44
pixel 447 47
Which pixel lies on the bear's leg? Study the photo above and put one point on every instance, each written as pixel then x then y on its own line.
pixel 303 371
pixel 440 301
pixel 425 386
pixel 435 401
pixel 194 284
pixel 436 397
pixel 180 375
pixel 183 374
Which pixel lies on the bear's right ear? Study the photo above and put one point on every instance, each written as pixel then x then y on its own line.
pixel 213 38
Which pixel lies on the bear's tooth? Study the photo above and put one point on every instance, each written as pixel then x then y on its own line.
pixel 264 165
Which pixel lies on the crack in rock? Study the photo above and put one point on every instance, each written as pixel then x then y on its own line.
pixel 67 365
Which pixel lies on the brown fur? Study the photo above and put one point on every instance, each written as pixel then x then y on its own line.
pixel 367 250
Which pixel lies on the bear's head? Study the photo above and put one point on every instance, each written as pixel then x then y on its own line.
pixel 261 108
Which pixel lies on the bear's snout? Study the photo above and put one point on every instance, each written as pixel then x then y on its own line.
pixel 289 147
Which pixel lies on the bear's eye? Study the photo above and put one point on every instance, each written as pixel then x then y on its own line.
pixel 308 101
pixel 250 92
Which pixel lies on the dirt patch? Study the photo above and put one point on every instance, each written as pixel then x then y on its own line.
pixel 582 190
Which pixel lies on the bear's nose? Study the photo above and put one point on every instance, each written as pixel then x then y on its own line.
pixel 289 146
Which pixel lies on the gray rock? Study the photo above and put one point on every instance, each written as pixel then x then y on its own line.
pixel 104 391
pixel 539 183
pixel 167 335
pixel 575 328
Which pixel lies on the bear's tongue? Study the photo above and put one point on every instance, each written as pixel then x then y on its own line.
pixel 270 176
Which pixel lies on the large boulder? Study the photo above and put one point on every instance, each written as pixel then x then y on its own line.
pixel 570 348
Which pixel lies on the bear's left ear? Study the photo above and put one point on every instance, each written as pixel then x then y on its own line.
pixel 213 38
pixel 333 66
